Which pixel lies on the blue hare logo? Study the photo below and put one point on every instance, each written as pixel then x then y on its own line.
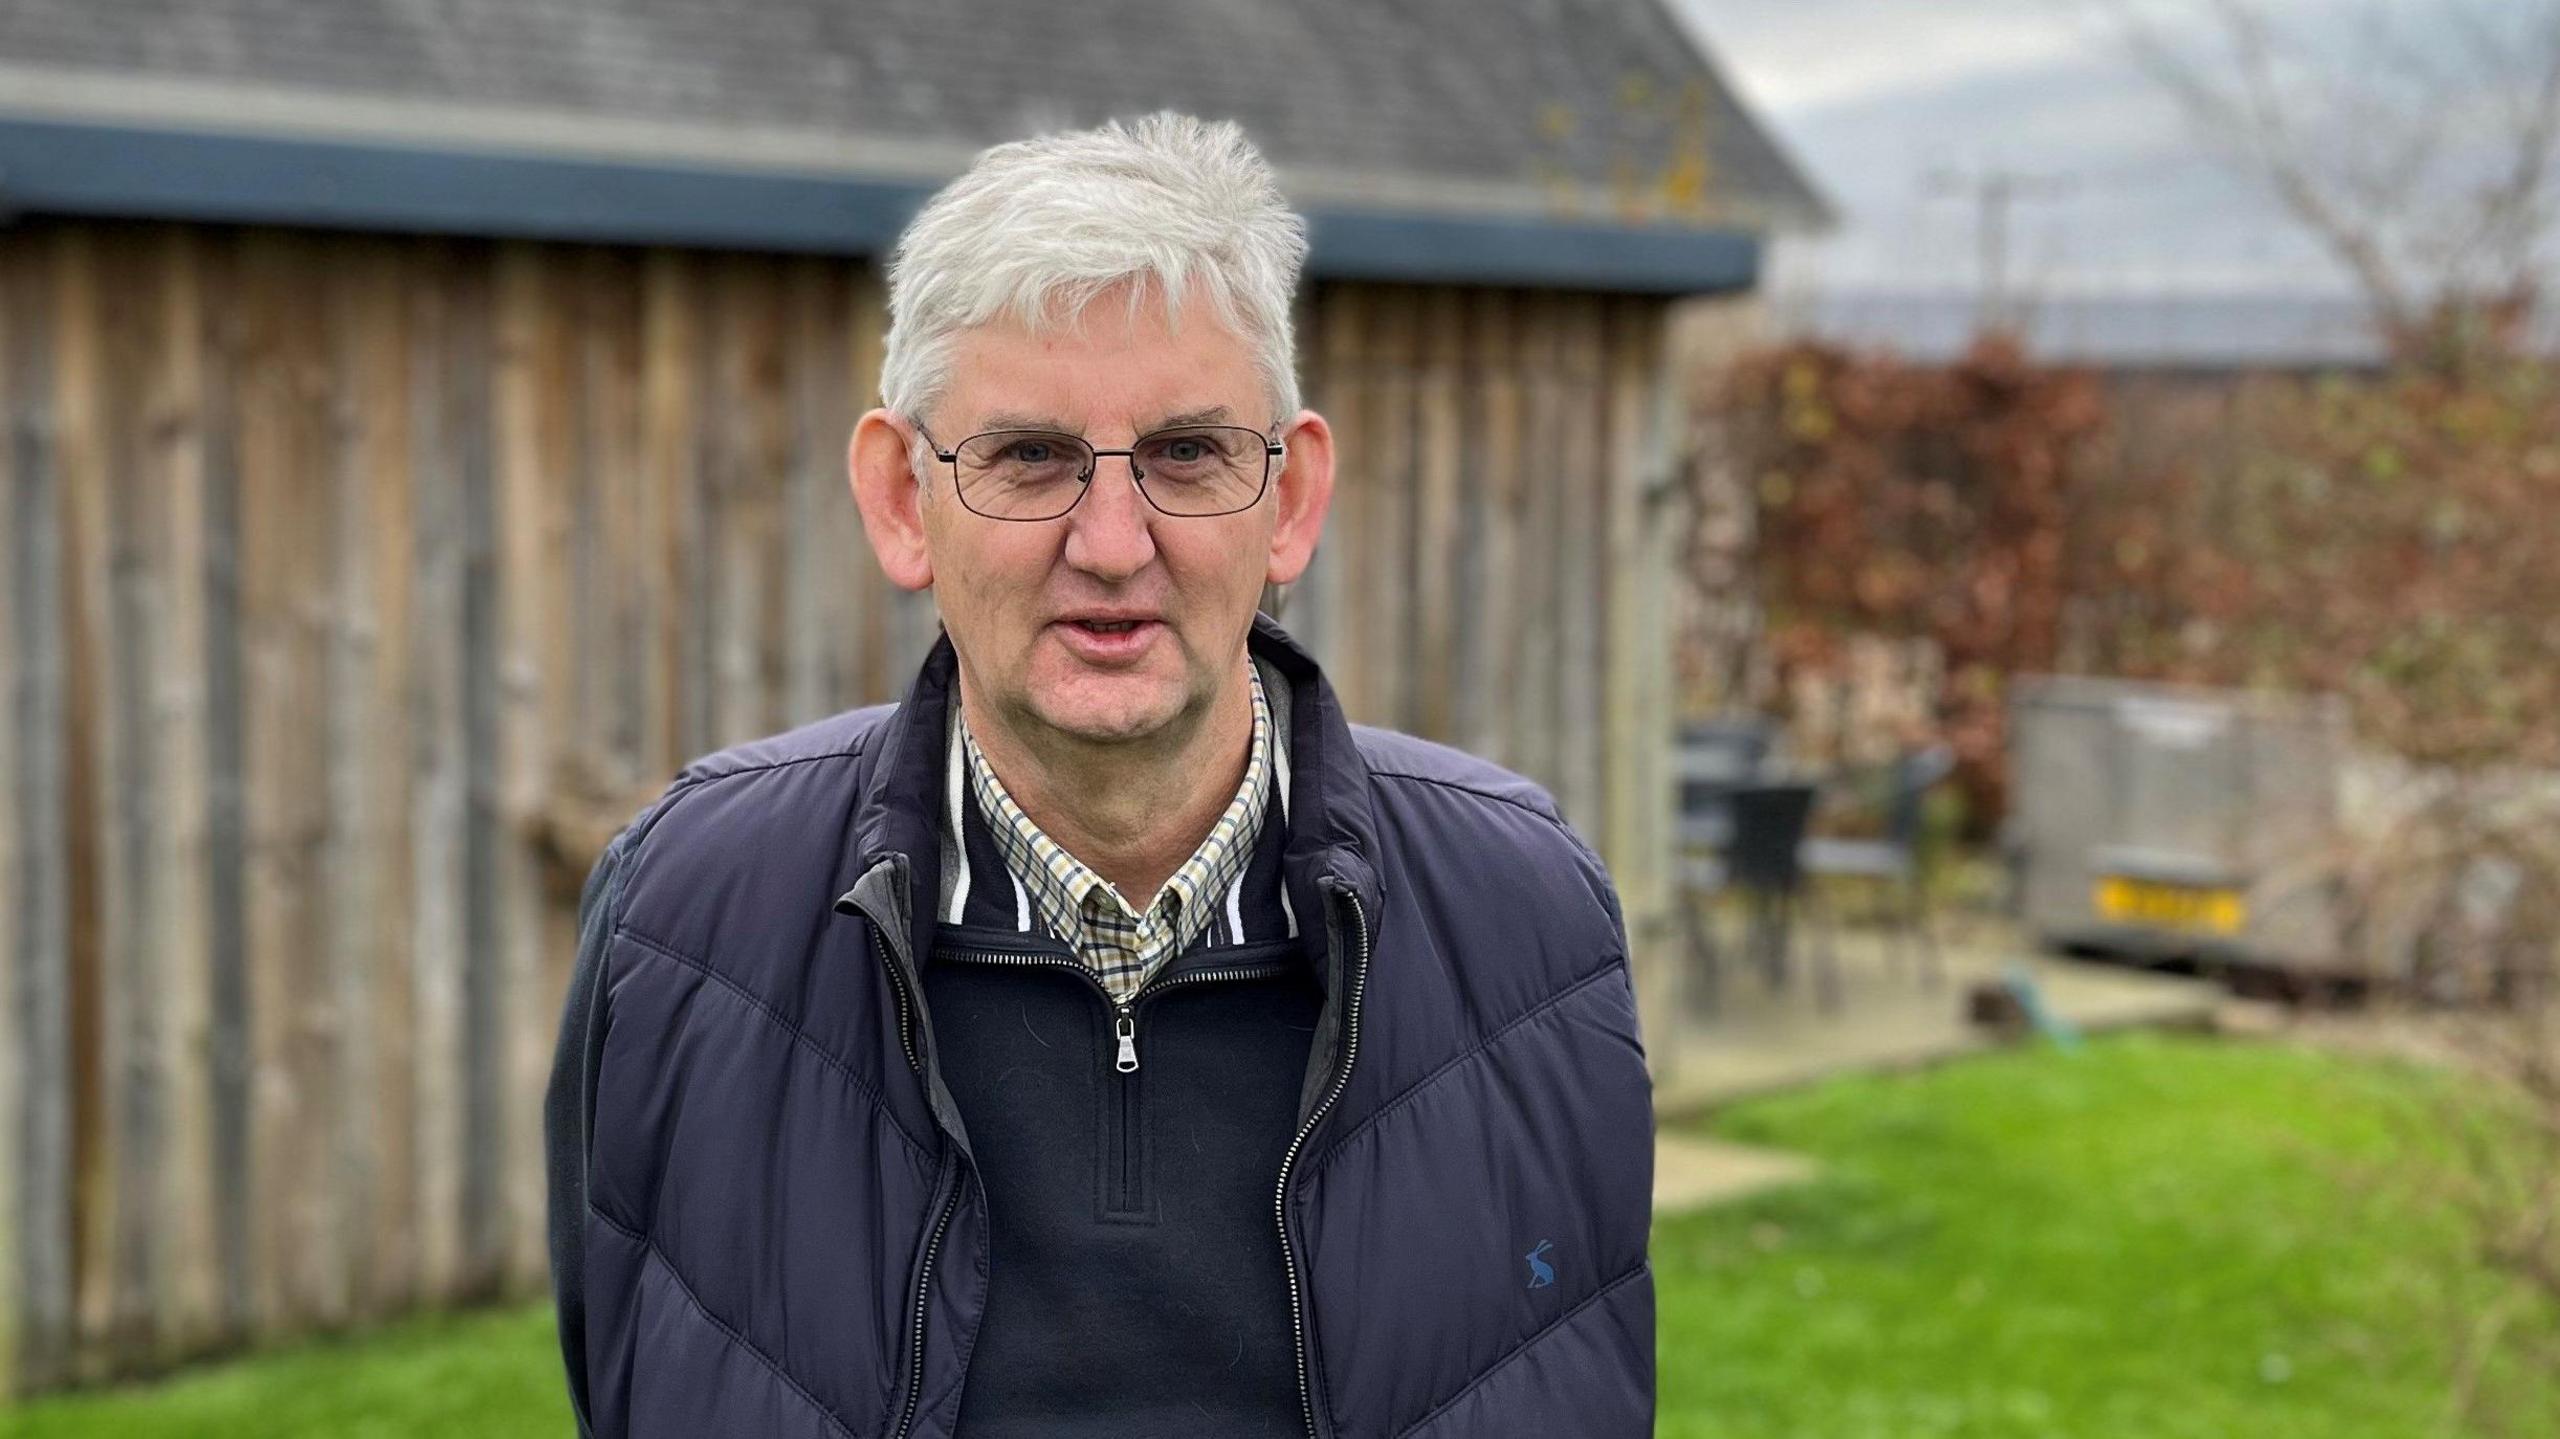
pixel 1540 1274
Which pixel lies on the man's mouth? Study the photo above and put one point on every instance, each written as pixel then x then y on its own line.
pixel 1110 641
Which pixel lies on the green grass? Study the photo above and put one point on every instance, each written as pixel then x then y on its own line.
pixel 2152 1238
pixel 493 1374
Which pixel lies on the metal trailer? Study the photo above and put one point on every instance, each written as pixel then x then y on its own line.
pixel 2164 822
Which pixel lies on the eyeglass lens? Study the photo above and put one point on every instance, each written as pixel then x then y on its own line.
pixel 1038 475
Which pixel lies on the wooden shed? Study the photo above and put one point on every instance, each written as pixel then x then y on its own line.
pixel 421 432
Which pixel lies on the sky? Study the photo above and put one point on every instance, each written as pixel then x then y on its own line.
pixel 1898 107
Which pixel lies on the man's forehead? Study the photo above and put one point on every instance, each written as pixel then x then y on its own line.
pixel 1103 371
pixel 1018 418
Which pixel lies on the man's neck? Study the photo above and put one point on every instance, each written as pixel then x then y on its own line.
pixel 1131 812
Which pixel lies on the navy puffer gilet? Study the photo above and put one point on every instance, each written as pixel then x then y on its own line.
pixel 766 1218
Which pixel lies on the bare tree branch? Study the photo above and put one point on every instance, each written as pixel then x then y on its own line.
pixel 2426 169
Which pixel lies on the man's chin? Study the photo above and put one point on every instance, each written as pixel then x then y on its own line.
pixel 1104 706
pixel 1104 720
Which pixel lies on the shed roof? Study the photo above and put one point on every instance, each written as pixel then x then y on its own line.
pixel 1545 140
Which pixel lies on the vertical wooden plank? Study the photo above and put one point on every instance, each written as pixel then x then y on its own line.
pixel 1581 584
pixel 815 557
pixel 578 694
pixel 350 757
pixel 670 341
pixel 1439 439
pixel 375 343
pixel 1636 830
pixel 286 509
pixel 308 535
pixel 41 1232
pixel 1385 597
pixel 749 446
pixel 182 927
pixel 1342 320
pixel 441 783
pixel 98 932
pixel 131 656
pixel 230 1031
pixel 263 284
pixel 1492 671
pixel 612 377
pixel 1654 909
pixel 866 329
pixel 14 653
pixel 347 762
pixel 1350 534
pixel 532 699
pixel 470 397
pixel 1542 496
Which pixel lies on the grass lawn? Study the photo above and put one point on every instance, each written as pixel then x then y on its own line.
pixel 2151 1238
pixel 2154 1237
pixel 493 1374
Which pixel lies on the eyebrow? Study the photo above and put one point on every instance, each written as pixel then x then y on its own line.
pixel 1016 420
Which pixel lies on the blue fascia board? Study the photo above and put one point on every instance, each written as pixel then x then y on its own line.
pixel 54 167
pixel 1540 254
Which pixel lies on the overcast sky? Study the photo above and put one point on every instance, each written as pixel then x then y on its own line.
pixel 1894 106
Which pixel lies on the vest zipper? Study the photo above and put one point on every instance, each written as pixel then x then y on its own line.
pixel 924 1287
pixel 1280 1199
pixel 951 1201
pixel 906 1006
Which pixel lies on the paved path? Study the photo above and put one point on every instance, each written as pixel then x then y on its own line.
pixel 1755 1041
pixel 1690 1171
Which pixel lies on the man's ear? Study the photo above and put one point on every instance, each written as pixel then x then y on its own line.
pixel 1303 491
pixel 892 503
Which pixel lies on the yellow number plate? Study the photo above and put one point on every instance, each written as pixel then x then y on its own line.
pixel 2176 906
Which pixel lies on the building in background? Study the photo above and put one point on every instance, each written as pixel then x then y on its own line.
pixel 424 433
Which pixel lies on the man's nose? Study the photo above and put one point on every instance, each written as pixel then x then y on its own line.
pixel 1110 531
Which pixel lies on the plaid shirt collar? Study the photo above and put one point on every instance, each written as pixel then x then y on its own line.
pixel 1126 945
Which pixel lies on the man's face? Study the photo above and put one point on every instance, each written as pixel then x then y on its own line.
pixel 1005 588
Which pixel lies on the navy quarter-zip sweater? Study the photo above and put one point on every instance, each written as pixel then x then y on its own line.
pixel 774 1213
pixel 1133 1288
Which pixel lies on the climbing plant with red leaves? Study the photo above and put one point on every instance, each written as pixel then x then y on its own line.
pixel 1919 501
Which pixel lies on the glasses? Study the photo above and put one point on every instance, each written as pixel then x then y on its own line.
pixel 1191 471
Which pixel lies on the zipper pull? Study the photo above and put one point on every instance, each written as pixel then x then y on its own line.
pixel 1128 1030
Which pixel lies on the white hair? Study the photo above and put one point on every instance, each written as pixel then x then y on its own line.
pixel 1036 229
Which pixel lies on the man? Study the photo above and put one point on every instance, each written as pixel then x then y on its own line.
pixel 1108 1038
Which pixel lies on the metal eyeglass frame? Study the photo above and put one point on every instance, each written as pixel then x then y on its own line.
pixel 1271 450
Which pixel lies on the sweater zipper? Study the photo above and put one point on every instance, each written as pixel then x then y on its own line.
pixel 1126 1029
pixel 1124 1011
pixel 1280 1199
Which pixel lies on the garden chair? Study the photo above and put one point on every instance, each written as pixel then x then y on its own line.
pixel 1766 863
pixel 1893 858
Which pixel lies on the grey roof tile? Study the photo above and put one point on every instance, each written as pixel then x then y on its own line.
pixel 1587 99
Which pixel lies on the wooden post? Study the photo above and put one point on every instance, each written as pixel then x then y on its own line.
pixel 1635 836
